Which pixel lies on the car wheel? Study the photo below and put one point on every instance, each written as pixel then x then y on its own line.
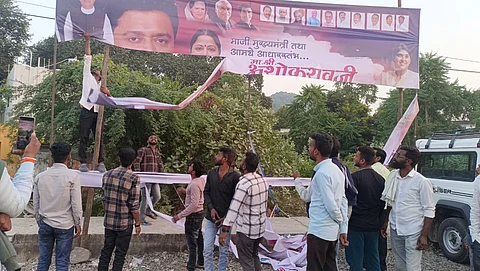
pixel 451 233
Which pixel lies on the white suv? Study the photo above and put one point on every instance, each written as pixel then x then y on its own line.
pixel 449 162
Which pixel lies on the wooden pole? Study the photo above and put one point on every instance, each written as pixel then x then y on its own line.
pixel 400 90
pixel 54 90
pixel 98 141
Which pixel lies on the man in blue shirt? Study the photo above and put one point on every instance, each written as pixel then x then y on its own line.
pixel 328 208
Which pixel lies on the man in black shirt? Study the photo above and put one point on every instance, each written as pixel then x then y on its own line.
pixel 219 191
pixel 364 224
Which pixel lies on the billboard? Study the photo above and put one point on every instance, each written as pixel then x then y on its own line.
pixel 343 43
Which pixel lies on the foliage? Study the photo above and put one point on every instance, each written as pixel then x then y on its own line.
pixel 441 102
pixel 218 118
pixel 14 32
pixel 339 112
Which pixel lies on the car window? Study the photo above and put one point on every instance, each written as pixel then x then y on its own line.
pixel 457 166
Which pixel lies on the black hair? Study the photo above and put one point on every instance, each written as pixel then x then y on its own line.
pixel 60 152
pixel 335 147
pixel 380 153
pixel 169 7
pixel 399 48
pixel 376 15
pixel 251 161
pixel 401 16
pixel 367 154
pixel 323 143
pixel 412 153
pixel 230 154
pixel 299 10
pixel 192 3
pixel 127 156
pixel 389 16
pixel 357 14
pixel 206 32
pixel 199 168
pixel 267 7
pixel 342 12
pixel 242 6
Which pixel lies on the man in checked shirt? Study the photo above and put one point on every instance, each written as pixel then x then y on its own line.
pixel 149 159
pixel 120 194
pixel 248 209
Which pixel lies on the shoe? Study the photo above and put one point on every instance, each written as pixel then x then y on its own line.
pixel 101 168
pixel 83 168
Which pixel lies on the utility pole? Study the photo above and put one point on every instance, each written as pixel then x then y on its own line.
pixel 400 90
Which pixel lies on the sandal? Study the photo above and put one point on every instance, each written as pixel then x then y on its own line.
pixel 146 223
pixel 151 215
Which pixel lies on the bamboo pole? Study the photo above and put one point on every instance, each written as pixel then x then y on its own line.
pixel 54 90
pixel 400 90
pixel 98 141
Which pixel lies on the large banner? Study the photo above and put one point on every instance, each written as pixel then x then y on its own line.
pixel 359 44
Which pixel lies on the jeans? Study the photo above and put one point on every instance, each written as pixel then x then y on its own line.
pixel 88 122
pixel 193 233
pixel 321 254
pixel 154 189
pixel 248 252
pixel 382 252
pixel 209 242
pixel 407 257
pixel 476 255
pixel 363 248
pixel 47 237
pixel 118 240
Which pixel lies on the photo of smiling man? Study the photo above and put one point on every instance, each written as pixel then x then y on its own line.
pixel 148 25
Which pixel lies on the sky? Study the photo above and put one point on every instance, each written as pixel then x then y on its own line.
pixel 446 28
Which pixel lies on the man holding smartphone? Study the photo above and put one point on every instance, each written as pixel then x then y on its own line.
pixel 218 193
pixel 89 111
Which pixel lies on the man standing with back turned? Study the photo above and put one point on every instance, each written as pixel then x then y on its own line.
pixel 89 111
pixel 120 194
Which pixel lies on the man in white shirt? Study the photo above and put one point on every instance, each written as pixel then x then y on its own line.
pixel 412 211
pixel 388 24
pixel 88 19
pixel 357 21
pixel 329 19
pixel 58 209
pixel 475 222
pixel 328 207
pixel 342 20
pixel 89 111
pixel 374 23
pixel 267 14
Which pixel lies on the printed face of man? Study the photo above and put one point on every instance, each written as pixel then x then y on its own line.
pixel 357 18
pixel 375 19
pixel 314 14
pixel 389 20
pixel 145 30
pixel 205 46
pixel 224 11
pixel 342 16
pixel 267 12
pixel 198 10
pixel 298 16
pixel 328 17
pixel 402 60
pixel 283 13
pixel 401 20
pixel 246 15
pixel 87 4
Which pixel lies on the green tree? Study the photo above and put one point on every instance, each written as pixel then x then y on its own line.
pixel 14 32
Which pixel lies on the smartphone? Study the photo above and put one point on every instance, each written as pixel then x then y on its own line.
pixel 26 126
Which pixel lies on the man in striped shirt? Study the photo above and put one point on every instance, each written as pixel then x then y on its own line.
pixel 249 210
